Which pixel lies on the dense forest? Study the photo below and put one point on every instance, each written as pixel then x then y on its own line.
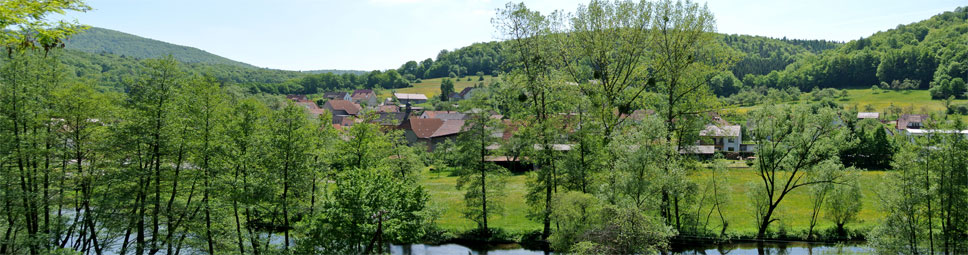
pixel 923 55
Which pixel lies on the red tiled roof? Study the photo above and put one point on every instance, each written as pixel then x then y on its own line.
pixel 449 127
pixel 350 107
pixel 425 128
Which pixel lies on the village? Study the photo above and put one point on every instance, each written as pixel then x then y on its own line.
pixel 431 127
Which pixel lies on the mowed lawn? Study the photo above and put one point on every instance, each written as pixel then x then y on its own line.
pixel 794 212
pixel 446 197
pixel 431 87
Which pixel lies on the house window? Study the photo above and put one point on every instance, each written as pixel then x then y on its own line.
pixel 729 148
pixel 731 140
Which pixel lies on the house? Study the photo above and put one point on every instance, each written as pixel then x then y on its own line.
pixel 337 96
pixel 303 101
pixel 465 94
pixel 390 120
pixel 699 151
pixel 868 115
pixel 726 138
pixel 405 98
pixel 910 121
pixel 341 108
pixel 444 115
pixel 431 131
pixel 364 96
pixel 309 105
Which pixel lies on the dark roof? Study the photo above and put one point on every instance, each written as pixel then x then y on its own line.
pixel 445 115
pixel 463 93
pixel 334 95
pixel 338 104
pixel 391 118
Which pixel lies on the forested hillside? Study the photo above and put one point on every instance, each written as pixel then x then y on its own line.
pixel 111 71
pixel 98 40
pixel 926 54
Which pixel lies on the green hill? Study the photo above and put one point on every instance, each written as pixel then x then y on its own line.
pixel 100 40
pixel 927 54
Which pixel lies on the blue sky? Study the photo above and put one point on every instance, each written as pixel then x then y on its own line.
pixel 382 34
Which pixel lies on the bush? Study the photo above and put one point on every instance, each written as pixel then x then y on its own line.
pixel 958 109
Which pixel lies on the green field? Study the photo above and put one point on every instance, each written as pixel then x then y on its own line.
pixel 794 211
pixel 431 87
pixel 911 101
pixel 880 100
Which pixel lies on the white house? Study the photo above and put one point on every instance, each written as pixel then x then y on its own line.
pixel 726 138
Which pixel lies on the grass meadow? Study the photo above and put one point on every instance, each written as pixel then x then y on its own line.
pixel 793 213
pixel 431 87
pixel 911 101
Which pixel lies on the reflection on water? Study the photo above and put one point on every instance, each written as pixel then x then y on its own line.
pixel 764 248
pixel 772 248
pixel 457 249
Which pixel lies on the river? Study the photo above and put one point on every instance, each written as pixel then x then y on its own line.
pixel 784 248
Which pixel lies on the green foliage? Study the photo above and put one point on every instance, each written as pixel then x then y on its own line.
pixel 589 226
pixel 872 151
pixel 843 203
pixel 446 88
pixel 481 179
pixel 792 142
pixel 926 195
pixel 928 53
pixel 367 205
pixel 25 23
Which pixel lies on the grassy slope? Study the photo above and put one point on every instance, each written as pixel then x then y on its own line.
pixel 431 87
pixel 794 211
pixel 916 101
